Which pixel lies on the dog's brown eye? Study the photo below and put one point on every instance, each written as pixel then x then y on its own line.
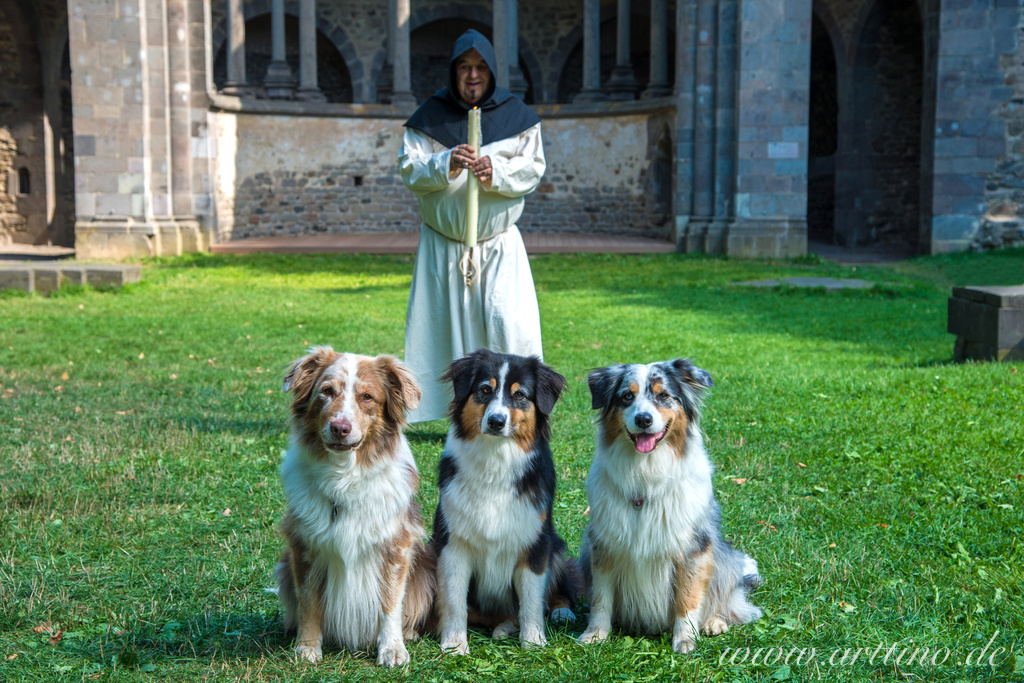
pixel 327 390
pixel 519 396
pixel 367 397
pixel 664 396
pixel 627 397
pixel 486 390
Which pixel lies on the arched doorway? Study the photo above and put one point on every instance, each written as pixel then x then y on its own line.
pixel 23 199
pixel 332 73
pixel 570 81
pixel 878 160
pixel 823 137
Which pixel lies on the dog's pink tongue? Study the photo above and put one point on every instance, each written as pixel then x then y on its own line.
pixel 645 443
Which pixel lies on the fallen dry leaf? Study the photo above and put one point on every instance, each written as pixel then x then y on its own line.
pixel 800 464
pixel 831 545
pixel 65 376
pixel 882 526
pixel 740 444
pixel 766 525
pixel 141 356
pixel 227 512
pixel 738 480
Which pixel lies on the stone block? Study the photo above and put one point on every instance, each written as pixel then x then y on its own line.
pixel 988 322
pixel 112 276
pixel 16 277
pixel 46 279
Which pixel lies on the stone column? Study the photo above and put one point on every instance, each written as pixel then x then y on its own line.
pixel 237 83
pixel 133 151
pixel 517 84
pixel 501 46
pixel 591 91
pixel 308 90
pixel 401 96
pixel 622 83
pixel 704 133
pixel 386 78
pixel 659 85
pixel 279 81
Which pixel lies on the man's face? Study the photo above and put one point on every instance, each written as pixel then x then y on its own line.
pixel 472 77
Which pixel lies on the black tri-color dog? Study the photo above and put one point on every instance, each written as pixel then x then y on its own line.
pixel 499 555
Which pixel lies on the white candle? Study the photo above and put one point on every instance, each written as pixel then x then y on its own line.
pixel 472 184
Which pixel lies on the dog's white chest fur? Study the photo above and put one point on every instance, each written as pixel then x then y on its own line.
pixel 487 519
pixel 346 512
pixel 673 494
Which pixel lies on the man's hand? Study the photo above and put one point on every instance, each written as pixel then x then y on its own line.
pixel 481 168
pixel 463 156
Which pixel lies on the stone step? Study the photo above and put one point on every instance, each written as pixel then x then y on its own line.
pixel 46 276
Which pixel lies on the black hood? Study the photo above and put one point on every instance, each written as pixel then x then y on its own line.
pixel 443 116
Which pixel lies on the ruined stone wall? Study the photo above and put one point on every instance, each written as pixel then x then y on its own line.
pixel 605 174
pixel 977 66
pixel 284 175
pixel 1003 223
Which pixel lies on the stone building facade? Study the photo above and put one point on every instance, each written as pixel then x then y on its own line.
pixel 729 126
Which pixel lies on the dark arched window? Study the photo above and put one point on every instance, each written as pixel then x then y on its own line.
pixel 24 186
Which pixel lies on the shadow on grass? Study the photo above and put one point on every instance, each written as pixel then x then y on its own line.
pixel 292 264
pixel 213 635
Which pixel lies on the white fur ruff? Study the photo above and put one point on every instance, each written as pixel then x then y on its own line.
pixel 489 524
pixel 676 493
pixel 369 506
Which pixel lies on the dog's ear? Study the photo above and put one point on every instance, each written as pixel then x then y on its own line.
pixel 303 372
pixel 403 391
pixel 687 372
pixel 602 382
pixel 549 387
pixel 460 373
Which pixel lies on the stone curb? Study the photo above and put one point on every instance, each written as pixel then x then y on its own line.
pixel 46 276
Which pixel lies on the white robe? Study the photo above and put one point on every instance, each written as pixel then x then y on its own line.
pixel 446 319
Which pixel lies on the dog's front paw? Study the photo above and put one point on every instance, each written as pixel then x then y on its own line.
pixel 593 634
pixel 309 653
pixel 684 643
pixel 504 630
pixel 531 637
pixel 455 643
pixel 562 615
pixel 715 626
pixel 393 654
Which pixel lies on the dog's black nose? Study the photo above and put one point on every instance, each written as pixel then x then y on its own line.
pixel 341 429
pixel 496 423
pixel 643 420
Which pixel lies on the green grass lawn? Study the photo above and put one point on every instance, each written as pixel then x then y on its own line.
pixel 877 483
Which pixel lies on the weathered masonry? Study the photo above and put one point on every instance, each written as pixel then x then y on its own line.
pixel 743 127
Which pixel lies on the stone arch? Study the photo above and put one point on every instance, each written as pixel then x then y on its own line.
pixel 431 50
pixel 23 216
pixel 878 159
pixel 567 58
pixel 340 73
pixel 823 120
